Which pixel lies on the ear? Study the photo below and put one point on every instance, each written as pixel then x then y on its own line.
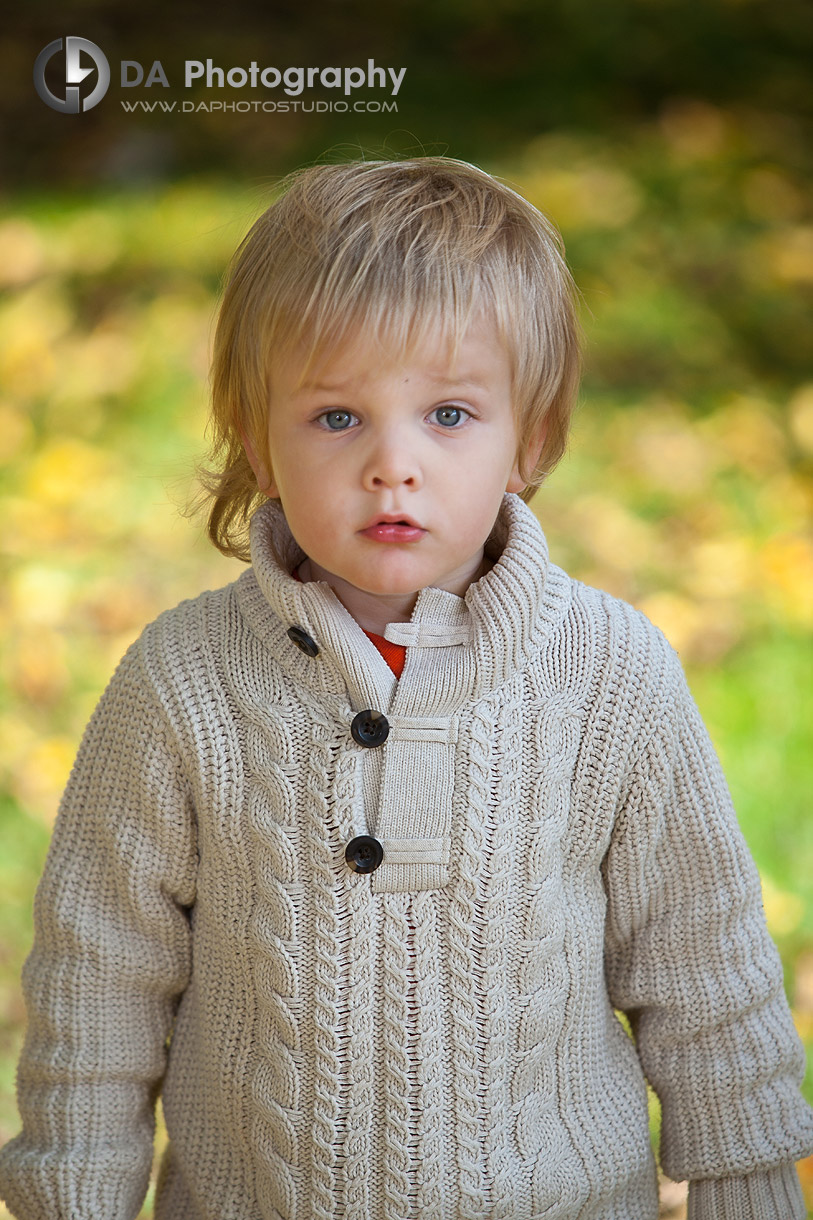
pixel 516 483
pixel 262 474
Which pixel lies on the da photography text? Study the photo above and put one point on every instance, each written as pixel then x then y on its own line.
pixel 70 61
pixel 292 80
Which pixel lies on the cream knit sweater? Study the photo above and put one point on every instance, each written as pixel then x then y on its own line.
pixel 436 1038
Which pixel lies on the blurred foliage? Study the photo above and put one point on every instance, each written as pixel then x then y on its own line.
pixel 482 76
pixel 688 489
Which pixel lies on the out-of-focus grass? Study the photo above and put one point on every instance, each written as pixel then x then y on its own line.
pixel 687 490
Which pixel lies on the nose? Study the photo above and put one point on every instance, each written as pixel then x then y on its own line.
pixel 392 462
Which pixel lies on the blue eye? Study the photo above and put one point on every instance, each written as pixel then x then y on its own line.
pixel 448 416
pixel 337 421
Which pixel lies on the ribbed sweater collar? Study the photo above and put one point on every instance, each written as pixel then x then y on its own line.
pixel 499 622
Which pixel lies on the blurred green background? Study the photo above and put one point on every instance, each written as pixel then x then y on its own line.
pixel 670 142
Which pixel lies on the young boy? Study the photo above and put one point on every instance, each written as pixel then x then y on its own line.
pixel 360 853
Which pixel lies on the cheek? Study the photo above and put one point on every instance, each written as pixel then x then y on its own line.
pixel 315 515
pixel 293 472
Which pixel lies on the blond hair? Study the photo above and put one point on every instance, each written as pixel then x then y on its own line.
pixel 404 250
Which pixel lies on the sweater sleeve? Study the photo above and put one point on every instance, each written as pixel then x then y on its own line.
pixel 111 956
pixel 689 958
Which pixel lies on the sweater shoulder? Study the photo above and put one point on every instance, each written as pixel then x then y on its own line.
pixel 188 626
pixel 175 653
pixel 626 661
pixel 618 625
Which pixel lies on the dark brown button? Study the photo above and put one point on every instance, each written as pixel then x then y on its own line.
pixel 303 641
pixel 370 728
pixel 364 854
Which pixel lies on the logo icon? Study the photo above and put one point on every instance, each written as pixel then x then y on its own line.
pixel 74 75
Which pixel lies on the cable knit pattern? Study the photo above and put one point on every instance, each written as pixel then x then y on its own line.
pixel 464 970
pixel 397 1153
pixel 433 1154
pixel 500 852
pixel 435 1040
pixel 324 1008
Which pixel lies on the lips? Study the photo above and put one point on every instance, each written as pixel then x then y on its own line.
pixel 393 527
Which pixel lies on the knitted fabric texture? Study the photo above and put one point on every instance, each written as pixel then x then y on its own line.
pixel 393 654
pixel 436 1039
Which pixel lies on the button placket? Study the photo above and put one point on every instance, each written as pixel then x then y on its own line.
pixel 414 817
pixel 369 729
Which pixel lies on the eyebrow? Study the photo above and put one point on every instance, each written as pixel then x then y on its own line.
pixel 474 378
pixel 329 387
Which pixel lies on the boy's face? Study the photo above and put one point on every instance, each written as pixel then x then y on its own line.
pixel 391 471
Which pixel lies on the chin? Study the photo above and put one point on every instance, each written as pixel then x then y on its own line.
pixel 385 583
pixel 391 588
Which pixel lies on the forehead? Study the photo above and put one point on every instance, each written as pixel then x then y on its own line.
pixel 475 357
